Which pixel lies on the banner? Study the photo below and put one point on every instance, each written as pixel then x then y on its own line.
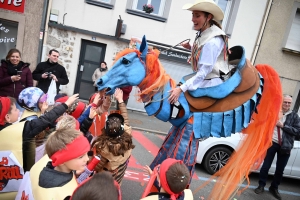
pixel 14 5
pixel 11 172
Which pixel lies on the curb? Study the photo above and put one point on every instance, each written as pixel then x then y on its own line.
pixel 149 130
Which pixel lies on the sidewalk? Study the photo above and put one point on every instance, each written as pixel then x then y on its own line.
pixel 141 121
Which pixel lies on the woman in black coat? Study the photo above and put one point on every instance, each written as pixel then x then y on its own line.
pixel 15 75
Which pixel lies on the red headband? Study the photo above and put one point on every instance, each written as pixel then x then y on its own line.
pixel 76 148
pixel 5 108
pixel 78 110
pixel 164 167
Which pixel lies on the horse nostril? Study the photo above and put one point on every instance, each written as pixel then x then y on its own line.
pixel 99 82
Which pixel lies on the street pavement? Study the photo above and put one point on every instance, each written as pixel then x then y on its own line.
pixel 148 136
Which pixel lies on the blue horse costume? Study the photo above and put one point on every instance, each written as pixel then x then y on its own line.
pixel 216 111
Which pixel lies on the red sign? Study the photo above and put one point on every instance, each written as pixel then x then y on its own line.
pixel 14 5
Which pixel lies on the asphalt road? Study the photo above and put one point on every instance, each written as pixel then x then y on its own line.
pixel 148 143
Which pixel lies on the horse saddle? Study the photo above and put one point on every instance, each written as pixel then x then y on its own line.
pixel 235 91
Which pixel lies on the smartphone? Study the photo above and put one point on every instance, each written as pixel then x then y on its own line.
pixel 19 73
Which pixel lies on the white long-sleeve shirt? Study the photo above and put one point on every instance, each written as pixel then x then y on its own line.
pixel 210 52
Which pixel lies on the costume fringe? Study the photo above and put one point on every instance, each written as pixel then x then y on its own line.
pixel 252 150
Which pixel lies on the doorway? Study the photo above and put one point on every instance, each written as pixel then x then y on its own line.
pixel 91 54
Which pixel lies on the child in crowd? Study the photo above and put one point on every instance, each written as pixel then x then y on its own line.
pixel 14 135
pixel 102 103
pixel 100 186
pixel 67 148
pixel 173 178
pixel 114 145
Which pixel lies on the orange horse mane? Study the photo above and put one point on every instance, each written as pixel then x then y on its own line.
pixel 156 77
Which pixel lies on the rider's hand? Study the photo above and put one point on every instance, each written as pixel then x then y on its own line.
pixel 186 45
pixel 175 92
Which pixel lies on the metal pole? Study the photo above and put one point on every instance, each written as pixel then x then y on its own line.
pixel 42 30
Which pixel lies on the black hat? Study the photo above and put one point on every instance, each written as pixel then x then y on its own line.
pixel 114 133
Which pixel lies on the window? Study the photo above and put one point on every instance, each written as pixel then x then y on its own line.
pixel 230 8
pixel 102 3
pixel 157 4
pixel 292 41
pixel 160 13
pixel 8 36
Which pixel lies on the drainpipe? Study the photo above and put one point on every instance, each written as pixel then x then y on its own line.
pixel 44 53
pixel 261 32
pixel 42 29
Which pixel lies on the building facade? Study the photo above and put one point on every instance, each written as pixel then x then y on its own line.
pixel 280 45
pixel 20 23
pixel 86 33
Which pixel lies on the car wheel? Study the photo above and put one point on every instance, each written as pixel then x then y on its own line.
pixel 216 158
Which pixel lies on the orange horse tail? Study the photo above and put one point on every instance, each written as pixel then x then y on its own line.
pixel 252 150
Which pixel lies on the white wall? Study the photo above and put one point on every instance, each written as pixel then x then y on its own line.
pixel 177 28
pixel 247 24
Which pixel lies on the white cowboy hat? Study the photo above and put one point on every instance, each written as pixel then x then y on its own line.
pixel 207 6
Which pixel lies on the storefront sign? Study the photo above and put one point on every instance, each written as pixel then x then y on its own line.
pixel 8 36
pixel 14 5
pixel 173 55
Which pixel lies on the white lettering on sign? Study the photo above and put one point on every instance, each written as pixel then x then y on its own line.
pixel 2 28
pixel 15 2
pixel 177 55
pixel 173 54
pixel 5 39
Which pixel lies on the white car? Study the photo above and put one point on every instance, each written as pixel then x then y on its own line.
pixel 213 153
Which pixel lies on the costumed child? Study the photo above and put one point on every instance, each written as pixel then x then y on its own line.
pixel 54 178
pixel 99 186
pixel 173 178
pixel 102 103
pixel 14 134
pixel 114 145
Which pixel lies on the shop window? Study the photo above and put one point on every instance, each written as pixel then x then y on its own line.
pixel 292 43
pixel 160 13
pixel 102 3
pixel 8 36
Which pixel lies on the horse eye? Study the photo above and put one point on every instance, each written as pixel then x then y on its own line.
pixel 125 61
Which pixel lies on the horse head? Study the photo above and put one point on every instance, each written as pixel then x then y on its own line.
pixel 128 69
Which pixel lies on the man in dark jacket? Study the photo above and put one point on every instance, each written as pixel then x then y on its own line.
pixel 285 131
pixel 46 71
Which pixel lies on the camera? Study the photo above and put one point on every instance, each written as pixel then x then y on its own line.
pixel 49 75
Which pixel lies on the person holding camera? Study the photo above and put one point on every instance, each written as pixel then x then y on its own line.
pixel 15 75
pixel 46 71
pixel 284 133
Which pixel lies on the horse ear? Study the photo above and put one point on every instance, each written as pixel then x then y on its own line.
pixel 144 48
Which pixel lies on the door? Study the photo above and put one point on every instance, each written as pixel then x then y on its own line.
pixel 91 54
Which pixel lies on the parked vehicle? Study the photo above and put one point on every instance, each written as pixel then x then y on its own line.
pixel 213 154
